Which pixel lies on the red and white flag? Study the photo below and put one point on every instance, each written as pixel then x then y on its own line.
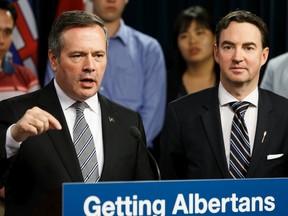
pixel 25 36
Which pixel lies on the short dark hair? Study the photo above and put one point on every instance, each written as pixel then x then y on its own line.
pixel 194 13
pixel 70 19
pixel 6 5
pixel 242 16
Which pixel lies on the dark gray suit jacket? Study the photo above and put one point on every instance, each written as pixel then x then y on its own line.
pixel 192 145
pixel 44 162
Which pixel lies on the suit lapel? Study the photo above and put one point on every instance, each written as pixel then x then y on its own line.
pixel 61 139
pixel 212 125
pixel 109 131
pixel 265 124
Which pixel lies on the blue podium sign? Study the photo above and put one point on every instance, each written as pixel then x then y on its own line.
pixel 192 197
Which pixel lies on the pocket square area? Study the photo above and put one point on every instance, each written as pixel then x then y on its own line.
pixel 274 156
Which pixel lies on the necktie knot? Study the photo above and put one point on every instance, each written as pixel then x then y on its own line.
pixel 79 106
pixel 239 107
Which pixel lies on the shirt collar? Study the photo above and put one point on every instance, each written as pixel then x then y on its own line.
pixel 225 97
pixel 121 33
pixel 66 102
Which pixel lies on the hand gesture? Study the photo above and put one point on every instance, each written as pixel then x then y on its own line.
pixel 34 122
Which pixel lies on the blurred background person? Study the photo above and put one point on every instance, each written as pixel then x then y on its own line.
pixel 136 74
pixel 194 67
pixel 275 77
pixel 14 79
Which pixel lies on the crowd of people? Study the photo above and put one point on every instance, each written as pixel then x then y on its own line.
pixel 109 77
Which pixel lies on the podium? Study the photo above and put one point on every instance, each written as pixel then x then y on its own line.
pixel 186 197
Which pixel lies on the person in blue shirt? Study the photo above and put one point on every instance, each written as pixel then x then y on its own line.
pixel 276 75
pixel 136 73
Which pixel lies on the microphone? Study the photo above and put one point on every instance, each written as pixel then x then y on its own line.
pixel 136 134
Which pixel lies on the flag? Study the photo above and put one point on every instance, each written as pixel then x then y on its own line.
pixel 25 36
pixel 63 5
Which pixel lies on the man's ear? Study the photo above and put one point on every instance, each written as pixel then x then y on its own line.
pixel 52 59
pixel 216 53
pixel 265 54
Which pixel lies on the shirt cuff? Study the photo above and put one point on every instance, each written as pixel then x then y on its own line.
pixel 11 145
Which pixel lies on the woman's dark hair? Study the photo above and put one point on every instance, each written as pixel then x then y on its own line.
pixel 6 5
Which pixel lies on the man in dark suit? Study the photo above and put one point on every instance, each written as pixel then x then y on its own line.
pixel 197 140
pixel 36 130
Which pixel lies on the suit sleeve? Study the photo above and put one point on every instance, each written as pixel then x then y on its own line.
pixel 172 157
pixel 5 122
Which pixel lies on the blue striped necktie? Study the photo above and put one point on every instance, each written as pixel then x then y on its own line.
pixel 84 145
pixel 239 142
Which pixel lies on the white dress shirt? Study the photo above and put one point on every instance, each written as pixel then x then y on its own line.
pixel 92 117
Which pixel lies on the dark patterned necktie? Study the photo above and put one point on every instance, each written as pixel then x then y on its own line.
pixel 239 142
pixel 84 145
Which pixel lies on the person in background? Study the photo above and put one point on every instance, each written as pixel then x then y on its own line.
pixel 136 73
pixel 199 140
pixel 275 76
pixel 14 79
pixel 38 130
pixel 193 41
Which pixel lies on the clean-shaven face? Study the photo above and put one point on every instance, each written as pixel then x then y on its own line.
pixel 240 55
pixel 80 68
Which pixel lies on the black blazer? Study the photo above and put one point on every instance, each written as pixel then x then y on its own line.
pixel 192 145
pixel 44 162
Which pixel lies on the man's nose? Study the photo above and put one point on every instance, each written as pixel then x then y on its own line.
pixel 238 55
pixel 89 63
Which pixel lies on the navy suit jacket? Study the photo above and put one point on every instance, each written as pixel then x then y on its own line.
pixel 192 145
pixel 46 161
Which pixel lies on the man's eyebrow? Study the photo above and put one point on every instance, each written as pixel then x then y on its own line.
pixel 227 43
pixel 244 44
pixel 81 52
pixel 250 44
pixel 76 52
pixel 100 50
